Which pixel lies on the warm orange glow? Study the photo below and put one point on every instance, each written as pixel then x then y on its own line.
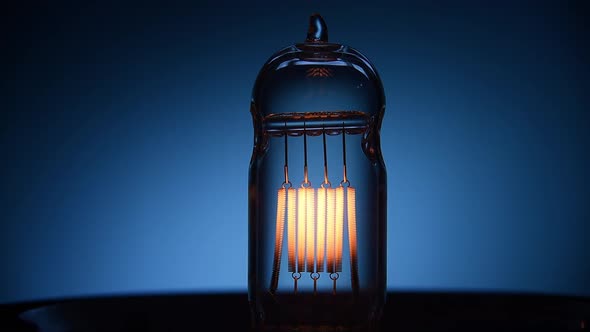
pixel 330 228
pixel 352 245
pixel 315 229
pixel 310 228
pixel 301 223
pixel 280 222
pixel 339 228
pixel 351 214
pixel 321 229
pixel 291 227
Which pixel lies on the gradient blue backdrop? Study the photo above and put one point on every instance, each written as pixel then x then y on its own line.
pixel 125 138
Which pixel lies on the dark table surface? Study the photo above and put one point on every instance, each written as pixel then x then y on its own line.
pixel 404 311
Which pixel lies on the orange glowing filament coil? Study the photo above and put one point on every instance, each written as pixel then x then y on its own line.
pixel 315 232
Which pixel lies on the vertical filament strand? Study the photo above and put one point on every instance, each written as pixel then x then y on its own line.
pixel 301 223
pixel 331 229
pixel 339 228
pixel 310 228
pixel 291 227
pixel 321 229
pixel 352 245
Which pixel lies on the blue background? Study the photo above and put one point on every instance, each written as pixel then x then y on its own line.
pixel 125 138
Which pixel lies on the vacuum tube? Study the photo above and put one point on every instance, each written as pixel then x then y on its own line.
pixel 317 190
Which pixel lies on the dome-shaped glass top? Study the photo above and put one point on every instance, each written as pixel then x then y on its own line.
pixel 317 79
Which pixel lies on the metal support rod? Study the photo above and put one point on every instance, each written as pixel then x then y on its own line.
pixel 345 177
pixel 305 178
pixel 286 167
pixel 326 181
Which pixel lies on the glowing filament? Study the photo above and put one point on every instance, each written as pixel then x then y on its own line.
pixel 321 229
pixel 301 223
pixel 310 228
pixel 315 228
pixel 352 245
pixel 291 227
pixel 331 229
pixel 339 227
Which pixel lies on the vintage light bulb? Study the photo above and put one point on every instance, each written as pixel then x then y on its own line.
pixel 317 190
